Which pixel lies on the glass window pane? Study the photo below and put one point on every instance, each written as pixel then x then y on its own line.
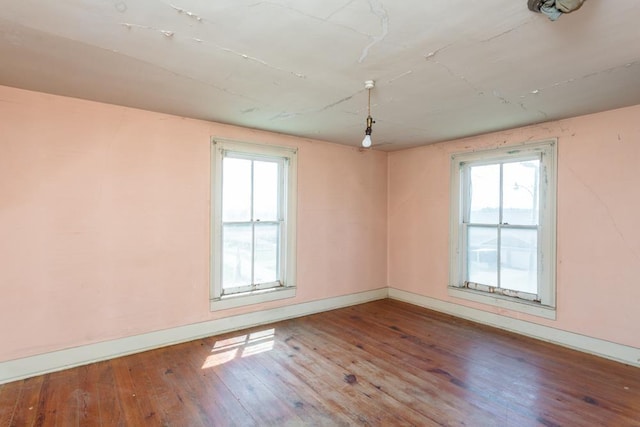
pixel 236 255
pixel 484 194
pixel 519 260
pixel 482 255
pixel 236 189
pixel 520 192
pixel 266 252
pixel 265 190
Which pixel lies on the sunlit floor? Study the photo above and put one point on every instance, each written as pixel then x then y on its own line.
pixel 382 363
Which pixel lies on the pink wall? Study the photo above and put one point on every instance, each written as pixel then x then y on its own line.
pixel 104 221
pixel 598 237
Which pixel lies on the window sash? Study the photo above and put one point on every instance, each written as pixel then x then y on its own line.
pixel 500 287
pixel 256 222
pixel 280 253
pixel 284 224
pixel 545 229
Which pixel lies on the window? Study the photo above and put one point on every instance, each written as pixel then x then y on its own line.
pixel 253 223
pixel 503 227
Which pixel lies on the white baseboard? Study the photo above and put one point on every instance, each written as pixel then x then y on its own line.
pixel 18 369
pixel 595 346
pixel 26 367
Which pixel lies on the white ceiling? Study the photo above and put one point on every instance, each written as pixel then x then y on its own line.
pixel 444 69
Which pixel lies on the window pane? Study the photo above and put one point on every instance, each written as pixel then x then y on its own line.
pixel 520 192
pixel 519 260
pixel 482 255
pixel 484 194
pixel 266 253
pixel 265 187
pixel 236 255
pixel 236 189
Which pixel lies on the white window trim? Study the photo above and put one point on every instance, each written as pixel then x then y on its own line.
pixel 547 236
pixel 288 288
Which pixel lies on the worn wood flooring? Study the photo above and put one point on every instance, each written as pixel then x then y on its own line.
pixel 383 363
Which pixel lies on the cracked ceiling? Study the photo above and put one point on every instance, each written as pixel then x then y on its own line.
pixel 444 69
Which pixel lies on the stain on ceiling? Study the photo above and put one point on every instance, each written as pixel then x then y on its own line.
pixel 444 69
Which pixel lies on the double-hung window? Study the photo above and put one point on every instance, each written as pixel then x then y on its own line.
pixel 503 227
pixel 253 223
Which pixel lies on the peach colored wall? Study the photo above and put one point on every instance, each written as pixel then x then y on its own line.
pixel 598 237
pixel 104 221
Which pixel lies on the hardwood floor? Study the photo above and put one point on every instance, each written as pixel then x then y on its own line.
pixel 384 363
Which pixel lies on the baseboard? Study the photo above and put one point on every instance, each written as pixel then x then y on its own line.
pixel 26 367
pixel 618 352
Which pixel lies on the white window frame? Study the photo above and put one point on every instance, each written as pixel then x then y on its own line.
pixel 286 287
pixel 544 305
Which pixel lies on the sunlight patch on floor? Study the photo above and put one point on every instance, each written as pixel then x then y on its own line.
pixel 245 345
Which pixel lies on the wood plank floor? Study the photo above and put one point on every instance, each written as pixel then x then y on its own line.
pixel 384 363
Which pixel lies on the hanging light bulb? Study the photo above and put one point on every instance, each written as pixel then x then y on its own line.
pixel 366 142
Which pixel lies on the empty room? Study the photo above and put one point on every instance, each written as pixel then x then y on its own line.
pixel 347 212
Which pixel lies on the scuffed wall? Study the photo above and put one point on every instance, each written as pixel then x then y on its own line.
pixel 598 240
pixel 104 221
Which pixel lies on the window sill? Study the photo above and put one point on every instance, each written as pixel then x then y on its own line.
pixel 253 297
pixel 504 302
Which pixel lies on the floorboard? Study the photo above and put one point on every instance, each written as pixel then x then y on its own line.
pixel 384 363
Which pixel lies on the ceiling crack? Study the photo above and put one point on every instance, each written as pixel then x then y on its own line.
pixel 377 9
pixel 160 67
pixel 258 60
pixel 505 32
pixel 168 33
pixel 500 97
pixel 612 69
pixel 458 76
pixel 586 76
pixel 432 54
pixel 285 115
pixel 499 35
pixel 344 6
pixel 338 102
pixel 406 73
pixel 186 12
pixel 306 15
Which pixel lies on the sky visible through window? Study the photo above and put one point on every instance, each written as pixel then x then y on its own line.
pixel 519 188
pixel 517 250
pixel 237 190
pixel 250 214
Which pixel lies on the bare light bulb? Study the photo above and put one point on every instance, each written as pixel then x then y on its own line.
pixel 366 142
